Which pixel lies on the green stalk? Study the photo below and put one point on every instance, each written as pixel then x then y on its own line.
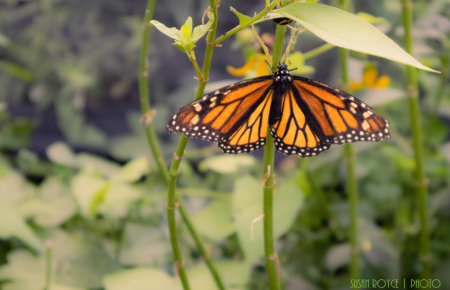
pixel 255 18
pixel 174 167
pixel 420 179
pixel 317 51
pixel 352 186
pixel 170 180
pixel 48 265
pixel 153 142
pixel 271 258
pixel 144 93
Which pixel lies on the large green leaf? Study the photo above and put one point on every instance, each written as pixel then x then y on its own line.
pixel 235 275
pixel 349 31
pixel 143 245
pixel 133 170
pixel 51 205
pixel 25 271
pixel 227 163
pixel 248 205
pixel 12 225
pixel 114 201
pixel 140 279
pixel 78 262
pixel 61 153
pixel 215 221
pixel 85 188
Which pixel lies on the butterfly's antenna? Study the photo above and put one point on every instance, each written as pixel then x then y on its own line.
pixel 292 69
pixel 274 55
pixel 270 66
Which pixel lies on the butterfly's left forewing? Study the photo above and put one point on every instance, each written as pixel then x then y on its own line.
pixel 231 115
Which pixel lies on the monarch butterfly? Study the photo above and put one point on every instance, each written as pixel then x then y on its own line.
pixel 305 116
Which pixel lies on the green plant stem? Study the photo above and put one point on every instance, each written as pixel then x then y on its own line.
pixel 174 167
pixel 144 93
pixel 317 51
pixel 352 186
pixel 255 18
pixel 48 265
pixel 271 258
pixel 153 142
pixel 420 179
pixel 158 156
pixel 193 60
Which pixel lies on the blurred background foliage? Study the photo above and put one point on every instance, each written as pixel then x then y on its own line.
pixel 75 167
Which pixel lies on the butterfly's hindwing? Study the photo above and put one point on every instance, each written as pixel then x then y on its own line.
pixel 251 135
pixel 293 134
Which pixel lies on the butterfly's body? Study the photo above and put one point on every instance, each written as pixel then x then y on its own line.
pixel 305 116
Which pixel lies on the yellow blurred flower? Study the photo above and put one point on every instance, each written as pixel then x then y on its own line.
pixel 255 62
pixel 370 80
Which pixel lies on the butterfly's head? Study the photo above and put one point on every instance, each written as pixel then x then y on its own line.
pixel 282 69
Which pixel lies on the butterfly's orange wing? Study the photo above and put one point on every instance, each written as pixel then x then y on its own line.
pixel 315 115
pixel 236 116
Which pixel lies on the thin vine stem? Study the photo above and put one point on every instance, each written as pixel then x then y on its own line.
pixel 174 167
pixel 147 113
pixel 317 51
pixel 48 264
pixel 241 26
pixel 271 258
pixel 170 179
pixel 420 178
pixel 352 186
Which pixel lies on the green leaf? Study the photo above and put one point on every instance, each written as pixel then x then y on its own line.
pixel 243 19
pixel 61 153
pixel 4 40
pixel 95 164
pixel 51 206
pixel 337 256
pixel 227 163
pixel 186 30
pixel 170 32
pixel 140 279
pixel 12 225
pixel 85 188
pixel 297 61
pixel 215 221
pixel 16 70
pixel 78 262
pixel 27 272
pixel 15 186
pixel 133 170
pixel 143 245
pixel 113 200
pixel 346 30
pixel 235 275
pixel 185 39
pixel 201 30
pixel 248 205
pixel 19 285
pixel 370 18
